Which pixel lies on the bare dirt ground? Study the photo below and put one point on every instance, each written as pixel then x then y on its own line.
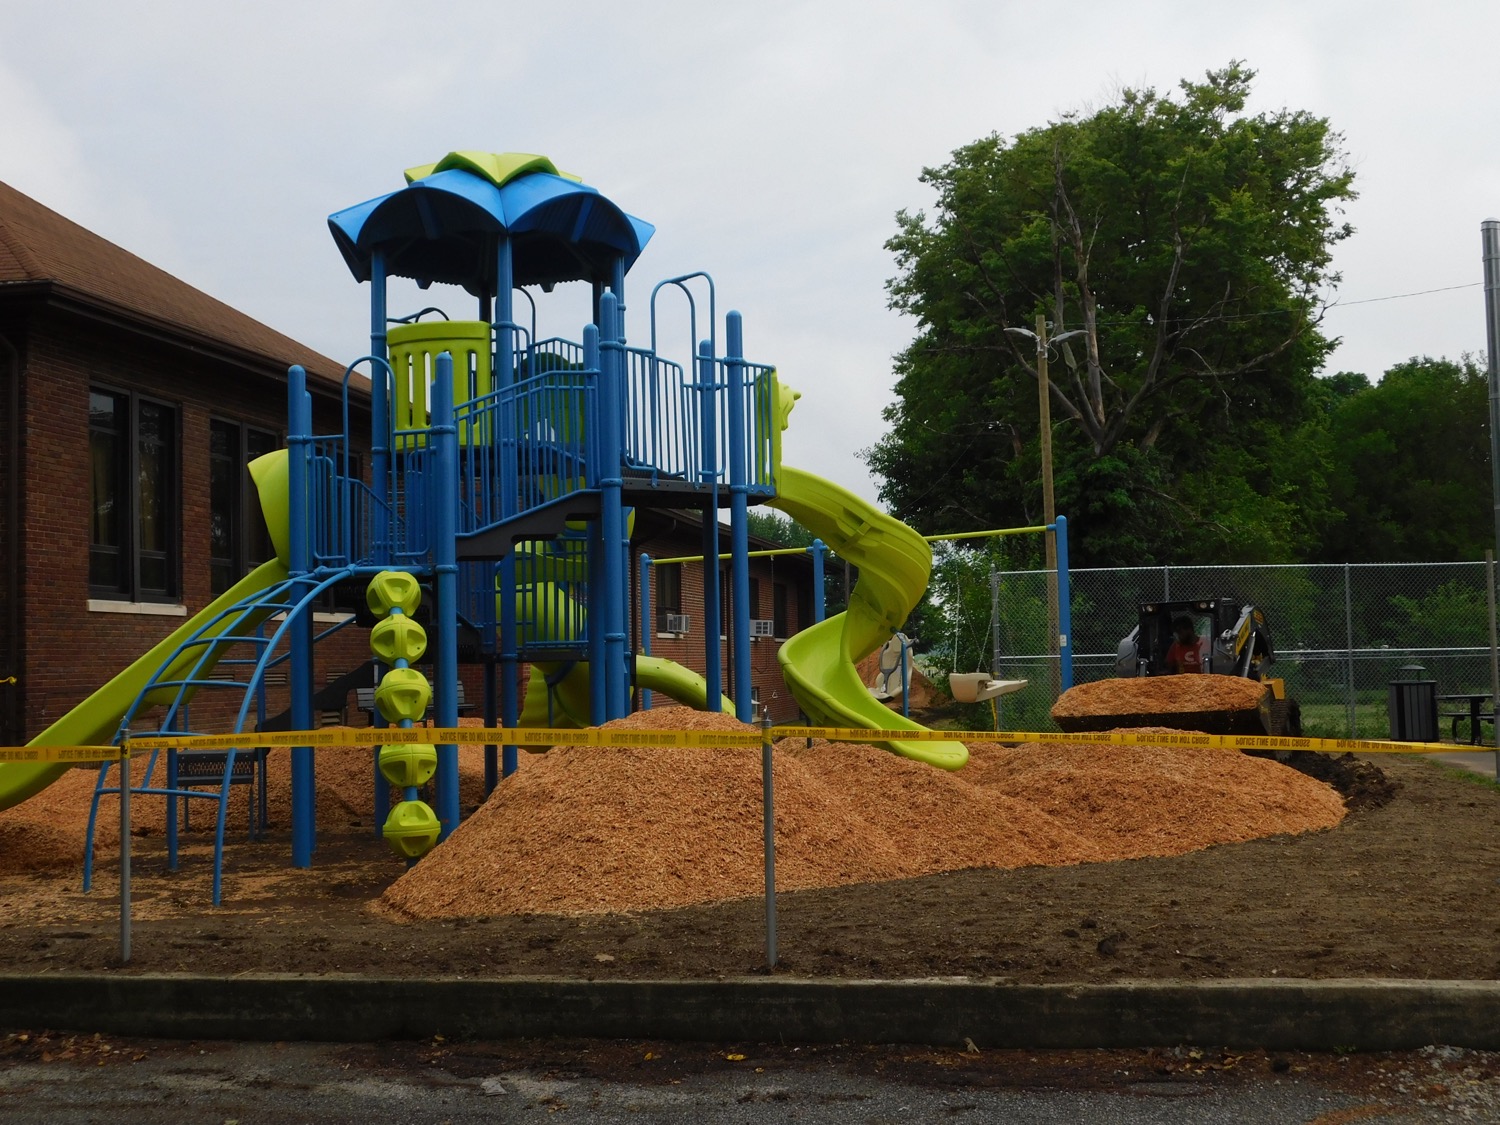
pixel 1406 885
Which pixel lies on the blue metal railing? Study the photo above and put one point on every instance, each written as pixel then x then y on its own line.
pixel 533 442
pixel 531 447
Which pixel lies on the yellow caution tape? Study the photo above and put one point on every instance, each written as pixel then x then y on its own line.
pixel 396 736
pixel 1130 738
pixel 74 754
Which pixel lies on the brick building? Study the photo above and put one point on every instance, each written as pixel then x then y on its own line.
pixel 129 404
pixel 781 600
pixel 113 372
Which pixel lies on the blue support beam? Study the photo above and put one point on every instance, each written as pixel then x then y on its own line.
pixel 504 369
pixel 443 494
pixel 739 517
pixel 819 552
pixel 648 624
pixel 608 590
pixel 713 666
pixel 1064 606
pixel 300 677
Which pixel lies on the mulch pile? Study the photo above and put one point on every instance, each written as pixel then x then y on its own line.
pixel 1164 695
pixel 589 830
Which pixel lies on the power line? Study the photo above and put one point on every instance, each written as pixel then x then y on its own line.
pixel 1400 296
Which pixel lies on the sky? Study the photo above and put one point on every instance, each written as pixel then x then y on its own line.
pixel 771 143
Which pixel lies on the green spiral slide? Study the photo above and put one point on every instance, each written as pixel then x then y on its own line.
pixel 894 563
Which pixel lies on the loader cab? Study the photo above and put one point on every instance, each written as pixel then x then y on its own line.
pixel 1144 651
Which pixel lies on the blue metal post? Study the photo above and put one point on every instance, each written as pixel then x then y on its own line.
pixel 594 627
pixel 381 547
pixel 617 287
pixel 443 505
pixel 491 719
pixel 608 591
pixel 1064 607
pixel 380 415
pixel 648 625
pixel 713 667
pixel 504 368
pixel 739 517
pixel 819 551
pixel 619 545
pixel 299 442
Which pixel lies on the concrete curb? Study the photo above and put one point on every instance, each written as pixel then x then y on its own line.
pixel 1275 1014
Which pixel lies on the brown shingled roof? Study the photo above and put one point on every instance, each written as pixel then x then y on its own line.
pixel 41 251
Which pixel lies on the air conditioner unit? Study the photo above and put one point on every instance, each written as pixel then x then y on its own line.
pixel 762 627
pixel 675 622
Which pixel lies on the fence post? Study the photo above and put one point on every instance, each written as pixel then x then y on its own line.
pixel 1349 647
pixel 1489 585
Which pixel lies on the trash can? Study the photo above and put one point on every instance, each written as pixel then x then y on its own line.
pixel 1411 704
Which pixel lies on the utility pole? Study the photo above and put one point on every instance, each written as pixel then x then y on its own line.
pixel 1049 505
pixel 1489 234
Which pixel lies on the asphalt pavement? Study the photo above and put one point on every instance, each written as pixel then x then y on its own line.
pixel 1481 762
pixel 218 1083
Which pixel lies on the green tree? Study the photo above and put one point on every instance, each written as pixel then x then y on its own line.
pixel 1409 465
pixel 1188 242
pixel 1456 613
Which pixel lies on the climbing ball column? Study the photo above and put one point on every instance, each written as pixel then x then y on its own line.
pixel 402 697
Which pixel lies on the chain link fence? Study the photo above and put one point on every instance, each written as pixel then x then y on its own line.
pixel 1341 632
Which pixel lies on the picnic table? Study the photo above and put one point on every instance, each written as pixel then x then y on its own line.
pixel 1477 707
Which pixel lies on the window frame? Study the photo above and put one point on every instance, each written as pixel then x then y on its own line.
pixel 125 480
pixel 245 508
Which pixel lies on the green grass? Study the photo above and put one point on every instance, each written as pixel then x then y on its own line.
pixel 1468 777
pixel 1331 720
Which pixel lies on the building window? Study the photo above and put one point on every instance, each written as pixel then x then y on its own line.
pixel 668 587
pixel 666 583
pixel 752 606
pixel 133 535
pixel 778 608
pixel 238 539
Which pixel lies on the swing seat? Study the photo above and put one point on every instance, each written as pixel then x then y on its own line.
pixel 976 687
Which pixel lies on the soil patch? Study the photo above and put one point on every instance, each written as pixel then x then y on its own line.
pixel 1410 888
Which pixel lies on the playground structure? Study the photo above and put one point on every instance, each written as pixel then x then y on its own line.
pixel 503 474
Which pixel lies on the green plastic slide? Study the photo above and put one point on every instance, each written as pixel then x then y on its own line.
pixel 94 721
pixel 819 662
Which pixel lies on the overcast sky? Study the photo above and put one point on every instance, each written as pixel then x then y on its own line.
pixel 771 144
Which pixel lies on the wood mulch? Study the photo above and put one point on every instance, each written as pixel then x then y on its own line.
pixel 1163 695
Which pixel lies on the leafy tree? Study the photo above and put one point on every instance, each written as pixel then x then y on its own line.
pixel 1409 465
pixel 1456 613
pixel 1187 241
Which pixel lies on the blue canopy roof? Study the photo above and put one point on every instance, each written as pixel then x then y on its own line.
pixel 444 226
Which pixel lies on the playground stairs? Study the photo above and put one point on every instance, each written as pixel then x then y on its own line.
pixel 223 668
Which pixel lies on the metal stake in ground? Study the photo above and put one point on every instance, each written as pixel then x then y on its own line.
pixel 768 816
pixel 124 850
